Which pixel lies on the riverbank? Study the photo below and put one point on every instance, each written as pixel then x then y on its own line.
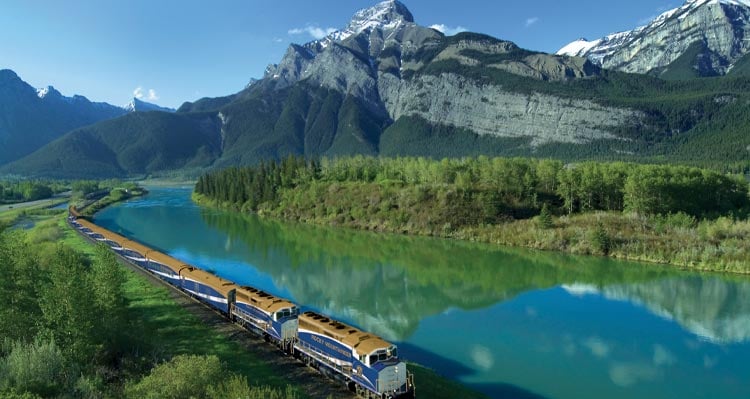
pixel 115 195
pixel 719 245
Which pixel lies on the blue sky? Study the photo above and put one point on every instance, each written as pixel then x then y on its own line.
pixel 177 51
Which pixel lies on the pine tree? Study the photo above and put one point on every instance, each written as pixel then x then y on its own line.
pixel 544 220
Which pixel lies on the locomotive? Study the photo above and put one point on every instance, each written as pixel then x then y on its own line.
pixel 366 363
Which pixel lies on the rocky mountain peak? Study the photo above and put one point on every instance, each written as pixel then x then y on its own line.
pixel 388 15
pixel 711 34
pixel 385 13
pixel 48 92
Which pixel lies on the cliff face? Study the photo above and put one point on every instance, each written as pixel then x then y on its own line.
pixel 450 99
pixel 712 33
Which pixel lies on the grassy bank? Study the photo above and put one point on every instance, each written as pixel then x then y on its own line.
pixel 719 244
pixel 115 195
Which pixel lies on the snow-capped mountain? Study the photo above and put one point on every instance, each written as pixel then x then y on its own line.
pixel 388 24
pixel 387 15
pixel 136 105
pixel 709 35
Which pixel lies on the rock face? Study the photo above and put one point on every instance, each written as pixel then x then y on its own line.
pixel 378 58
pixel 717 32
pixel 450 99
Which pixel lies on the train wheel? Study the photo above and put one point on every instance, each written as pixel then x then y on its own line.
pixel 352 386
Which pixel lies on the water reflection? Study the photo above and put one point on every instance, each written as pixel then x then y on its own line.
pixel 712 308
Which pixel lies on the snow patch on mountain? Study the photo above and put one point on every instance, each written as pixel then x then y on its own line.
pixel 721 24
pixel 136 105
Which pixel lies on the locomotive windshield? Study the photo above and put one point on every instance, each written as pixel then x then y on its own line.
pixel 287 312
pixel 382 355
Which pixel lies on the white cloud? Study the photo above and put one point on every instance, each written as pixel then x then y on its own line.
pixel 628 374
pixel 482 357
pixel 142 94
pixel 597 347
pixel 315 32
pixel 663 357
pixel 531 21
pixel 448 30
pixel 138 92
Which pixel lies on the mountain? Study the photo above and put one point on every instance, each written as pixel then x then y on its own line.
pixel 136 105
pixel 139 143
pixel 384 85
pixel 31 118
pixel 700 38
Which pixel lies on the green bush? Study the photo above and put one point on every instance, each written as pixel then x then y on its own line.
pixel 600 240
pixel 185 376
pixel 237 387
pixel 38 368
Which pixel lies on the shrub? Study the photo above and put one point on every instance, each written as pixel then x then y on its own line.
pixel 185 376
pixel 237 387
pixel 600 240
pixel 37 368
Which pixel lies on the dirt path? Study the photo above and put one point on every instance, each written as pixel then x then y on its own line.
pixel 308 380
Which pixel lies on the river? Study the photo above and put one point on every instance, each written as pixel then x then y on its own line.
pixel 507 322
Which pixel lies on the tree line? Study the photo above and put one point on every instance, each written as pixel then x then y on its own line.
pixel 28 190
pixel 516 187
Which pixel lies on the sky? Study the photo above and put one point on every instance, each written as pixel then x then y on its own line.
pixel 172 51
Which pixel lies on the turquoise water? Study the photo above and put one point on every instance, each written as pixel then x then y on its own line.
pixel 510 323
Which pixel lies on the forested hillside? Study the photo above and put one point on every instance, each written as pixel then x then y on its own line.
pixel 133 145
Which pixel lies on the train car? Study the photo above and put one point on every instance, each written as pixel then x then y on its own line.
pixel 273 317
pixel 213 290
pixel 73 213
pixel 136 253
pixel 369 363
pixel 102 235
pixel 165 266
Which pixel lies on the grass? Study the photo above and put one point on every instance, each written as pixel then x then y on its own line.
pixel 720 245
pixel 429 384
pixel 114 196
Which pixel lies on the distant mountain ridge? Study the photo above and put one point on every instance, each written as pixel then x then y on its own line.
pixel 31 118
pixel 384 85
pixel 714 33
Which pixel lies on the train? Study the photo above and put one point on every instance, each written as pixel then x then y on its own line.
pixel 366 363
